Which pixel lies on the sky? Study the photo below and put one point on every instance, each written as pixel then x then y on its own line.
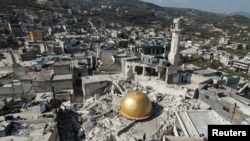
pixel 216 6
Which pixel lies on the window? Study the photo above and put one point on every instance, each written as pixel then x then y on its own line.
pixel 79 74
pixel 226 109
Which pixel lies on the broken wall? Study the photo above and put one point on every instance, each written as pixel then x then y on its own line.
pixel 91 88
pixel 27 86
pixel 9 91
pixel 107 57
pixel 172 77
pixel 115 67
pixel 42 86
pixel 58 50
pixel 55 135
pixel 19 71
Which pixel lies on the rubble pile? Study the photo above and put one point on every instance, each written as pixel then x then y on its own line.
pixel 101 120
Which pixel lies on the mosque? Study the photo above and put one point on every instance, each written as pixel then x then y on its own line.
pixel 135 103
pixel 164 69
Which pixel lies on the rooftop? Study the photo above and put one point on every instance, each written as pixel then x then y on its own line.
pixel 152 42
pixel 29 124
pixel 63 62
pixel 62 77
pixel 199 120
pixel 98 78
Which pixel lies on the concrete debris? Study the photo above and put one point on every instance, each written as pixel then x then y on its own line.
pixel 101 121
pixel 88 125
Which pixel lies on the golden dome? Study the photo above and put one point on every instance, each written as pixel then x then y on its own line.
pixel 136 105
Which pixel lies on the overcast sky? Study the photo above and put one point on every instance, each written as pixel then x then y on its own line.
pixel 217 6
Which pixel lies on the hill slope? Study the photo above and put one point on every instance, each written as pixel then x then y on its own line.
pixel 138 13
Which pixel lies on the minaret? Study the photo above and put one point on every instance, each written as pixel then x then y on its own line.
pixel 173 56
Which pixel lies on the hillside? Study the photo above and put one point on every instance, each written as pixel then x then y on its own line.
pixel 245 14
pixel 138 13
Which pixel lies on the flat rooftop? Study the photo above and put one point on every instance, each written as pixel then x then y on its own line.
pixel 29 125
pixel 63 62
pixel 98 78
pixel 196 122
pixel 62 77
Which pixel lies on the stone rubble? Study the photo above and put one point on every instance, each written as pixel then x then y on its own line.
pixel 104 121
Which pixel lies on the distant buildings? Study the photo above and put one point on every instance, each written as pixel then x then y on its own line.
pixel 242 64
pixel 35 35
pixel 16 29
pixel 152 46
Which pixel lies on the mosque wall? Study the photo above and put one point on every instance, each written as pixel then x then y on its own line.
pixel 172 77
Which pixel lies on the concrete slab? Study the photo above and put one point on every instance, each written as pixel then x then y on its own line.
pixel 198 121
pixel 62 77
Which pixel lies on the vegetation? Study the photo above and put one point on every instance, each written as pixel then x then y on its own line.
pixel 135 12
pixel 237 73
pixel 240 52
pixel 200 62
